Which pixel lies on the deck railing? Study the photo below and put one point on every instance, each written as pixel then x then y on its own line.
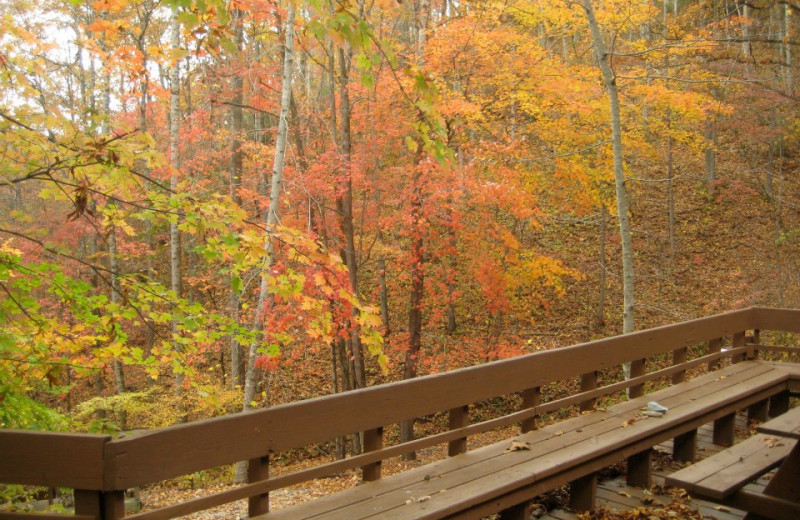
pixel 100 468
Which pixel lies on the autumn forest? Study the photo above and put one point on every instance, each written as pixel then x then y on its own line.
pixel 212 206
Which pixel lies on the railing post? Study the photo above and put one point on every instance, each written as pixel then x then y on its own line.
pixel 108 505
pixel 714 346
pixel 588 382
pixel 459 417
pixel 531 398
pixel 737 342
pixel 373 440
pixel 637 369
pixel 678 358
pixel 258 469
pixel 752 350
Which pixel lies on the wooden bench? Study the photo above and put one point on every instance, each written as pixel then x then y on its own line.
pixel 497 478
pixel 722 477
pixel 467 484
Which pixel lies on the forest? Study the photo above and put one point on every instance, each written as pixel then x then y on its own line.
pixel 210 206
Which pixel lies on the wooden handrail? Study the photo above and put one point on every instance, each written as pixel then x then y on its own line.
pixel 93 462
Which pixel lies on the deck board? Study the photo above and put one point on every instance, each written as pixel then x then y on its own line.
pixel 612 493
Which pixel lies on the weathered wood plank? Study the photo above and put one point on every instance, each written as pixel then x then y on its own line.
pixel 785 320
pixel 722 474
pixel 553 452
pixel 204 444
pixel 52 459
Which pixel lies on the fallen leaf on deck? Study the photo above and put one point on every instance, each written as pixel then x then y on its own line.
pixel 771 442
pixel 628 422
pixel 624 494
pixel 518 445
pixel 722 509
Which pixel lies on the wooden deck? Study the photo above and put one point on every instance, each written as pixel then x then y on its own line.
pixel 615 494
pixel 702 370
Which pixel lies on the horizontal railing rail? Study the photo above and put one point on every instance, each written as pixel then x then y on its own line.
pixel 101 467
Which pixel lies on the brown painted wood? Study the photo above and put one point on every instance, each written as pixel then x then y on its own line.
pixel 637 369
pixel 373 440
pixel 113 505
pixel 714 345
pixel 724 430
pixel 196 446
pixel 458 418
pixel 684 447
pixel 779 404
pixel 88 502
pixel 784 320
pixel 257 470
pixel 758 412
pixel 736 342
pixel 640 469
pixel 52 459
pixel 786 425
pixel 518 512
pixel 199 445
pixel 554 453
pixel 719 476
pixel 770 507
pixel 531 398
pixel 679 358
pixel 583 493
pixel 588 382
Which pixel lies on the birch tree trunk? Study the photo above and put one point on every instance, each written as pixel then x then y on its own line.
pixel 609 79
pixel 271 220
pixel 175 164
pixel 235 181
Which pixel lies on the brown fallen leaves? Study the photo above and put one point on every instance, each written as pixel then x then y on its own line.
pixel 675 510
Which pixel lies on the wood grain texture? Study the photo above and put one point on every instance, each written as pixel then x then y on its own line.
pixel 724 473
pixel 196 446
pixel 52 459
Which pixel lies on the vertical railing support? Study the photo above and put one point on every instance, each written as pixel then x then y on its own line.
pixel 737 342
pixel 458 418
pixel 373 440
pixel 637 369
pixel 531 398
pixel 714 346
pixel 679 358
pixel 588 382
pixel 258 469
pixel 752 350
pixel 108 505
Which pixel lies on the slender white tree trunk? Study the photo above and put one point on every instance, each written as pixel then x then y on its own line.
pixel 175 164
pixel 251 373
pixel 609 79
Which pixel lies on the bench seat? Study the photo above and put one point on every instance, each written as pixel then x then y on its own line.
pixel 726 472
pixel 492 478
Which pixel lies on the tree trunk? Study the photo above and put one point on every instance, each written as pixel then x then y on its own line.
pixel 416 292
pixel 175 164
pixel 235 181
pixel 710 135
pixel 609 79
pixel 264 300
pixel 344 206
pixel 600 318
